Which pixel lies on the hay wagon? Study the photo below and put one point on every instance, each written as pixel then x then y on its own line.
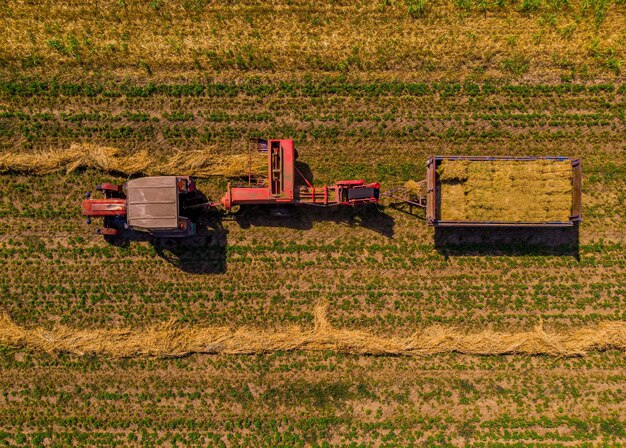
pixel 498 191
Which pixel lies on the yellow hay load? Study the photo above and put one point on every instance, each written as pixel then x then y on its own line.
pixel 451 172
pixel 510 191
pixel 413 188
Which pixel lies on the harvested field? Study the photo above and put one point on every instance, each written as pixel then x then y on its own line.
pixel 383 272
pixel 541 41
pixel 368 90
pixel 172 340
pixel 505 190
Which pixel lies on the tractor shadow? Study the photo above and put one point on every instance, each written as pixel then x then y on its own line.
pixel 370 217
pixel 513 241
pixel 203 253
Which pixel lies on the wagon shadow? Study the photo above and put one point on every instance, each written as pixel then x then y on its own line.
pixel 513 241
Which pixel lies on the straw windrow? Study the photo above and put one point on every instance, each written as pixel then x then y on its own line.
pixel 196 163
pixel 171 340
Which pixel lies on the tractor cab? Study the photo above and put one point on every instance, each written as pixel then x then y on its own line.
pixel 151 205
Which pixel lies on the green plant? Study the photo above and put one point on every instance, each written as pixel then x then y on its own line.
pixel 416 8
pixel 516 64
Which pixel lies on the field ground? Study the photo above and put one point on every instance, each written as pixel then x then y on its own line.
pixel 293 400
pixel 530 40
pixel 382 270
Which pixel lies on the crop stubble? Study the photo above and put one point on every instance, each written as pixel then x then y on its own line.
pixel 376 270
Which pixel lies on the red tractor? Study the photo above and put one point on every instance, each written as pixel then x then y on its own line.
pixel 157 205
pixel 148 204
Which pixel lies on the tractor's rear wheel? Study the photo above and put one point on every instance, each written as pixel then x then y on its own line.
pixel 108 231
pixel 110 190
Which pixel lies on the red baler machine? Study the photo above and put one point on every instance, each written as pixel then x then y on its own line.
pixel 285 184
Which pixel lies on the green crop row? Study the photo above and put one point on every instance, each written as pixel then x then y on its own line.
pixel 38 133
pixel 348 117
pixel 254 401
pixel 306 88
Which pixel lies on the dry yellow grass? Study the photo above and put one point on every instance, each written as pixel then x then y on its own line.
pixel 171 340
pixel 140 39
pixel 413 188
pixel 78 155
pixel 208 163
pixel 508 191
pixel 197 163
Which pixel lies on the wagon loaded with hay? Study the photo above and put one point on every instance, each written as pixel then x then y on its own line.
pixel 498 191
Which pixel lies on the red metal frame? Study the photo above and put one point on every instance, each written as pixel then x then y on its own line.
pixel 104 207
pixel 282 186
pixel 106 187
pixel 107 231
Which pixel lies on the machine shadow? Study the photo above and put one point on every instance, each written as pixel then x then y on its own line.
pixel 512 241
pixel 370 217
pixel 413 211
pixel 203 253
pixel 305 171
